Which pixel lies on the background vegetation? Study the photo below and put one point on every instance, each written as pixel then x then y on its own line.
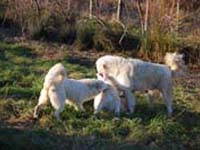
pixel 148 28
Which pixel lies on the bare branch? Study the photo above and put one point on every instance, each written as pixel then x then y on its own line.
pixel 38 7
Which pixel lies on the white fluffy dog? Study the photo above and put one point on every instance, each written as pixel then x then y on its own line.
pixel 61 90
pixel 108 99
pixel 137 75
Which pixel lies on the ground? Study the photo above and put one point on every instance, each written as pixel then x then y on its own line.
pixel 23 67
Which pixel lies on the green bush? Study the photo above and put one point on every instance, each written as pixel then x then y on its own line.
pixel 85 32
pixel 97 34
pixel 53 29
pixel 110 38
pixel 67 34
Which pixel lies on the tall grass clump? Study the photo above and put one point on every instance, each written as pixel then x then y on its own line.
pixel 86 29
pixel 161 34
pixel 156 43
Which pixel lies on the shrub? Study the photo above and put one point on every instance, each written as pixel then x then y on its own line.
pixel 110 38
pixel 53 28
pixel 95 33
pixel 46 28
pixel 67 33
pixel 85 32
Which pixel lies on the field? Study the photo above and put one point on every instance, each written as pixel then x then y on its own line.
pixel 23 67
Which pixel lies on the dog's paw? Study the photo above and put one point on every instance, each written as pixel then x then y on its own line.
pixel 35 116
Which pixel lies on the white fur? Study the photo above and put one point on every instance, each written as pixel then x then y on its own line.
pixel 80 91
pixel 53 82
pixel 137 75
pixel 61 90
pixel 108 99
pixel 176 63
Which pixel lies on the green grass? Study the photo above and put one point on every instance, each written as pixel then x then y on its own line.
pixel 21 77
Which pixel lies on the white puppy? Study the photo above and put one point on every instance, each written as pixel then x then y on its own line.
pixel 61 90
pixel 108 99
pixel 137 75
pixel 53 89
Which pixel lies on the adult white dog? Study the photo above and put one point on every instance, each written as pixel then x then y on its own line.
pixel 60 90
pixel 108 99
pixel 137 75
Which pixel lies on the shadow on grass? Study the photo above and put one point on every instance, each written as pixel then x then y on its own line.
pixel 19 93
pixel 82 61
pixel 181 114
pixel 17 139
pixel 15 51
pixel 143 130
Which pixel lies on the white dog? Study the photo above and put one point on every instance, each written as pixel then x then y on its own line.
pixel 108 99
pixel 61 90
pixel 137 75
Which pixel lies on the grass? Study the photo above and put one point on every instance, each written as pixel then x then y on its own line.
pixel 23 68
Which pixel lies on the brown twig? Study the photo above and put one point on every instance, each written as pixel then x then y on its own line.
pixel 38 7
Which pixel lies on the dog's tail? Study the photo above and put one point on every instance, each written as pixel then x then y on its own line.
pixel 176 63
pixel 56 75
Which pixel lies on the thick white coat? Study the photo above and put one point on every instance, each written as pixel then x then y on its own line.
pixel 108 99
pixel 137 75
pixel 60 90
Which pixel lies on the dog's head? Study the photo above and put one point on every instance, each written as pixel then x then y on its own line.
pixel 174 60
pixel 176 63
pixel 101 86
pixel 109 64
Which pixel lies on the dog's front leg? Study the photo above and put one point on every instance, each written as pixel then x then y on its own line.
pixel 130 98
pixel 42 101
pixel 150 98
pixel 80 107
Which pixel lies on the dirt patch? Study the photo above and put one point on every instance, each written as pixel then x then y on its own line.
pixel 21 122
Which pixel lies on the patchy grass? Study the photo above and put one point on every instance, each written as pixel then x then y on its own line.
pixel 23 68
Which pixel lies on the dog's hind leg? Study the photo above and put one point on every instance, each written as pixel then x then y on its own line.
pixel 80 107
pixel 118 108
pixel 98 108
pixel 167 96
pixel 130 98
pixel 150 98
pixel 42 100
pixel 57 98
